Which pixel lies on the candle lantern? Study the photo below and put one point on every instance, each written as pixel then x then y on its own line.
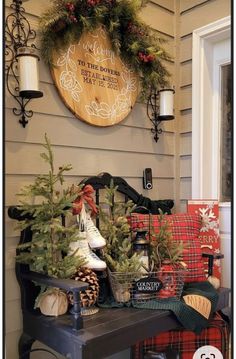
pixel 141 245
pixel 21 61
pixel 160 107
pixel 28 58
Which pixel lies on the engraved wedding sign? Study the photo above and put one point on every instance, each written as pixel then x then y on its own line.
pixel 93 81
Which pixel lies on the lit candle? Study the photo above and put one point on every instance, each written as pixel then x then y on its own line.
pixel 166 104
pixel 28 72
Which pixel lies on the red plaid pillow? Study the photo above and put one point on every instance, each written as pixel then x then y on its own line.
pixel 187 342
pixel 185 227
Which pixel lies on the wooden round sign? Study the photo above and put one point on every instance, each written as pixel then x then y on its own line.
pixel 93 81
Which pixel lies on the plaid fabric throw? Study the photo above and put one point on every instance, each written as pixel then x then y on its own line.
pixel 184 227
pixel 186 342
pixel 189 318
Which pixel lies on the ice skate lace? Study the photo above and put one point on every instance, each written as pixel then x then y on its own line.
pixel 91 227
pixel 86 251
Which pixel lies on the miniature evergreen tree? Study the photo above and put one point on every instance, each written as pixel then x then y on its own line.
pixel 116 229
pixel 163 247
pixel 47 252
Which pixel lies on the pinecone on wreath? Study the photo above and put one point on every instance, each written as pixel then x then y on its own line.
pixel 90 295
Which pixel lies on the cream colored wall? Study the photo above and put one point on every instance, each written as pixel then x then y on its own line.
pixel 193 14
pixel 122 150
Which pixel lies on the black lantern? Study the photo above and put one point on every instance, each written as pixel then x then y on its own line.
pixel 141 245
pixel 160 107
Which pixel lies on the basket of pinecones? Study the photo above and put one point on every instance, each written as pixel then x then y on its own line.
pixel 88 297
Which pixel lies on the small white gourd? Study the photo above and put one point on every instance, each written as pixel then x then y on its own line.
pixel 53 302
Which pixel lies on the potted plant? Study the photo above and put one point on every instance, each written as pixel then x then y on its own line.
pixel 44 203
pixel 123 264
pixel 166 256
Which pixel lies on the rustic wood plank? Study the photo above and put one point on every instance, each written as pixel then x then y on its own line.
pixel 120 333
pixel 106 332
pixel 98 88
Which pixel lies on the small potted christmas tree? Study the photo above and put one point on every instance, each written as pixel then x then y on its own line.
pixel 124 265
pixel 166 255
pixel 44 203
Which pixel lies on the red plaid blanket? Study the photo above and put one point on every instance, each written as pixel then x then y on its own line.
pixel 187 342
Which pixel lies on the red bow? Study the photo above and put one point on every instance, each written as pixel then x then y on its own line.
pixel 85 196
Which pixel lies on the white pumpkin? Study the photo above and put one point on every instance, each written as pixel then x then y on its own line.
pixel 121 293
pixel 53 302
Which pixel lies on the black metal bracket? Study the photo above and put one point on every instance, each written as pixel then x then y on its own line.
pixel 18 33
pixel 152 112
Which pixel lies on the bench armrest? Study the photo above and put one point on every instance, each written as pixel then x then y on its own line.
pixel 211 257
pixel 66 284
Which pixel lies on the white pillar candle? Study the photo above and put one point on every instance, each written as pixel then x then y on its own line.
pixel 167 103
pixel 28 72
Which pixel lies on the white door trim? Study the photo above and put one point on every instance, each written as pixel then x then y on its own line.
pixel 204 149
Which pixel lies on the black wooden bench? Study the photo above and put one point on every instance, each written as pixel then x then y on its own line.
pixel 104 333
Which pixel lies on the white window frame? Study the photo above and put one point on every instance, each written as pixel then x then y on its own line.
pixel 206 108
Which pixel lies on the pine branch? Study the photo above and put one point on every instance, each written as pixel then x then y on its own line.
pixel 163 246
pixel 115 228
pixel 50 239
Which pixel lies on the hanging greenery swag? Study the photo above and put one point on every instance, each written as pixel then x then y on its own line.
pixel 134 41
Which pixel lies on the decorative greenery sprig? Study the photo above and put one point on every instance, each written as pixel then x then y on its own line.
pixel 50 239
pixel 163 247
pixel 116 229
pixel 131 38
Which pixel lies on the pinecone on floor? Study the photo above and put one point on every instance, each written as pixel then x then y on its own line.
pixel 88 296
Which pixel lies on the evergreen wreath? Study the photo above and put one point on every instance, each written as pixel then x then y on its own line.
pixel 134 41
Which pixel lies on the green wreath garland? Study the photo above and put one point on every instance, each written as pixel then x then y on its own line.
pixel 134 41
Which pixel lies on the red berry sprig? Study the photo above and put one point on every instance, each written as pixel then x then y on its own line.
pixel 71 8
pixel 134 29
pixel 73 18
pixel 93 2
pixel 145 58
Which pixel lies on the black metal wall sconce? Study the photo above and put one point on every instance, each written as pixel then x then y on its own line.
pixel 22 79
pixel 160 105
